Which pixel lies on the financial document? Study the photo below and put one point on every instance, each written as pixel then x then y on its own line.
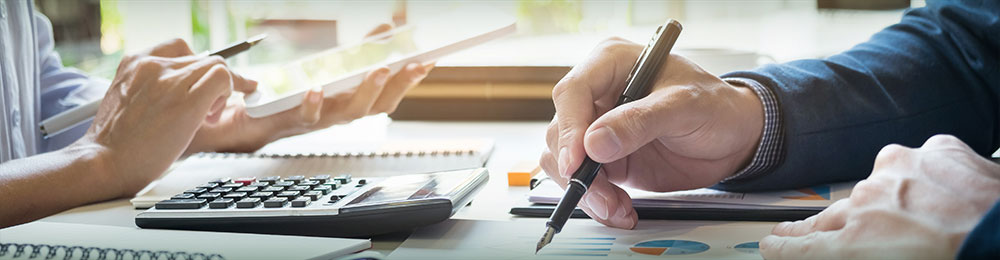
pixel 585 239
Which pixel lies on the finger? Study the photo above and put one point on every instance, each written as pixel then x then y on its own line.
pixel 819 244
pixel 243 84
pixel 312 104
pixel 548 163
pixel 396 88
pixel 626 128
pixel 381 28
pixel 366 94
pixel 171 48
pixel 552 137
pixel 609 204
pixel 216 84
pixel 832 218
pixel 194 71
pixel 575 96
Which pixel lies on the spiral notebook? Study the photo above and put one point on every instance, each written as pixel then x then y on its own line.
pixel 362 159
pixel 50 240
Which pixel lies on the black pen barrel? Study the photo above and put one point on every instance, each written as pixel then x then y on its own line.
pixel 578 185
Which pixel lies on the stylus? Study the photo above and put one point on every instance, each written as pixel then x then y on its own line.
pixel 637 85
pixel 72 117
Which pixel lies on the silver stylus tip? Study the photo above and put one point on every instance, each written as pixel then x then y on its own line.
pixel 546 239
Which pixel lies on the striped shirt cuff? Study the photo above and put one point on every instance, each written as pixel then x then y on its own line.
pixel 769 150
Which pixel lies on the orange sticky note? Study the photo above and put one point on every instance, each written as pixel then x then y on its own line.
pixel 521 174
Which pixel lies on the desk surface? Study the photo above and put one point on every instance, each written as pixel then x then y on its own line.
pixel 515 142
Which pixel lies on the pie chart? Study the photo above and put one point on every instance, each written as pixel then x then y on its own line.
pixel 669 247
pixel 748 247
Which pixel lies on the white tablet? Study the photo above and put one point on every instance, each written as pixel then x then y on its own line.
pixel 345 67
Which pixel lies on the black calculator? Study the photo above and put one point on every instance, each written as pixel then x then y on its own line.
pixel 318 205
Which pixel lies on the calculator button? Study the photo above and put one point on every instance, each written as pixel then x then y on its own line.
pixel 343 179
pixel 289 194
pixel 262 194
pixel 259 184
pixel 209 195
pixel 180 204
pixel 247 189
pixel 333 184
pixel 182 196
pixel 321 178
pixel 232 185
pixel 269 179
pixel 301 202
pixel 247 203
pixel 275 202
pixel 196 191
pixel 245 180
pixel 221 190
pixel 309 183
pixel 296 178
pixel 283 184
pixel 312 195
pixel 221 180
pixel 324 189
pixel 273 189
pixel 210 185
pixel 298 188
pixel 221 203
pixel 235 195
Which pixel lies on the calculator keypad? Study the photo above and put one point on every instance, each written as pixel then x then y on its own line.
pixel 296 191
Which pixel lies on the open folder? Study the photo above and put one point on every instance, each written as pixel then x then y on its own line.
pixel 705 203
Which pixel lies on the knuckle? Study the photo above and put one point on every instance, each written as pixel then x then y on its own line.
pixel 943 140
pixel 177 43
pixel 612 44
pixel 891 152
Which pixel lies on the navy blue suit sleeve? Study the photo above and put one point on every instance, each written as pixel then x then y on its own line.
pixel 983 241
pixel 935 72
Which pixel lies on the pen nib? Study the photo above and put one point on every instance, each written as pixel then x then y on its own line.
pixel 546 239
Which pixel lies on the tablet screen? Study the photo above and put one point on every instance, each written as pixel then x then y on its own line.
pixel 334 64
pixel 343 68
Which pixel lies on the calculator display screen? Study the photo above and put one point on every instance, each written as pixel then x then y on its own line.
pixel 410 187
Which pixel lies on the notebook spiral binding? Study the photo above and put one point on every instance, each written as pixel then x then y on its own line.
pixel 458 152
pixel 34 251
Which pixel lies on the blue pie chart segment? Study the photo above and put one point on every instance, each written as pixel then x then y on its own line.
pixel 748 247
pixel 670 247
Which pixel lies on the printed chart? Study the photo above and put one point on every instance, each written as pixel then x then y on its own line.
pixel 748 247
pixel 669 247
pixel 814 193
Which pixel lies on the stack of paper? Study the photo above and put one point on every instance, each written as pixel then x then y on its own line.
pixel 812 198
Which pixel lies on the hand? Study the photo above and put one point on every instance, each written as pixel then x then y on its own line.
pixel 379 93
pixel 692 131
pixel 152 109
pixel 917 203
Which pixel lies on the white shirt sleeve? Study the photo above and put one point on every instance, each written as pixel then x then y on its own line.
pixel 61 88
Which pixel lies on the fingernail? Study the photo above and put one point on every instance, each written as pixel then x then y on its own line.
pixel 382 77
pixel 598 206
pixel 563 161
pixel 622 211
pixel 604 143
pixel 315 96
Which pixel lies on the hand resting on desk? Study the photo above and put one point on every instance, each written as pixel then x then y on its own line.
pixel 917 203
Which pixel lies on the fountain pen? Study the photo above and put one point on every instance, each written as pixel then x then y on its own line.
pixel 637 85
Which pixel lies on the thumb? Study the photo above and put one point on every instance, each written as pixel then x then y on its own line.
pixel 626 128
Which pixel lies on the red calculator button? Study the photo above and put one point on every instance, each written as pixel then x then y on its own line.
pixel 245 180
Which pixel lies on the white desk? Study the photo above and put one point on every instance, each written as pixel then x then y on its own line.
pixel 515 141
